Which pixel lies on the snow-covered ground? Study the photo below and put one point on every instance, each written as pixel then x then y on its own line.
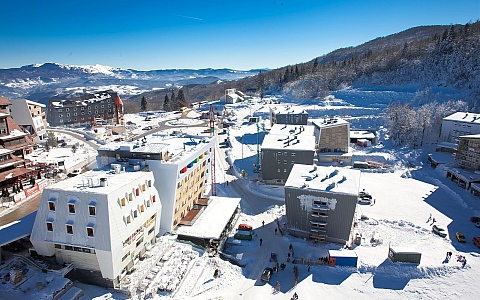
pixel 405 195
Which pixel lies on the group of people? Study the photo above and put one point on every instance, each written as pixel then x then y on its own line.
pixel 431 219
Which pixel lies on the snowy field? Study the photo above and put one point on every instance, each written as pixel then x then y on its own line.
pixel 406 194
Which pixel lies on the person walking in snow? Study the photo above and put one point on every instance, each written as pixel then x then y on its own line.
pixel 275 231
pixel 263 223
pixel 433 221
pixel 261 242
pixel 308 268
pixel 429 218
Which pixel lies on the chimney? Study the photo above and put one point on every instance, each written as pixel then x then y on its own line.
pixel 103 182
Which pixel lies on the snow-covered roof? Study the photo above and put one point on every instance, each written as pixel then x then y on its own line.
pixel 465 117
pixel 89 182
pixel 289 142
pixel 34 103
pixel 361 134
pixel 330 179
pixel 17 229
pixel 404 250
pixel 83 100
pixel 329 122
pixel 287 109
pixel 157 143
pixel 213 220
pixel 342 253
pixel 285 129
pixel 471 136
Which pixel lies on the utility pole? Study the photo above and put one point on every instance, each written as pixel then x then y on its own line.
pixel 212 133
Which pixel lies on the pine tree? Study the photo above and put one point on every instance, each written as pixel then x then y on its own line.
pixel 166 103
pixel 181 97
pixel 143 104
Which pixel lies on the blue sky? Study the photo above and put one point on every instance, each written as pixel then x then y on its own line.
pixel 176 34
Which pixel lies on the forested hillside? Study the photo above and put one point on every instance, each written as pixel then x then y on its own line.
pixel 422 57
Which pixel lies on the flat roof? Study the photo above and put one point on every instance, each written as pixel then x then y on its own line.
pixel 404 250
pixel 471 136
pixel 289 142
pixel 465 117
pixel 288 109
pixel 466 175
pixel 89 182
pixel 324 178
pixel 361 134
pixel 284 129
pixel 329 122
pixel 211 223
pixel 157 143
pixel 342 253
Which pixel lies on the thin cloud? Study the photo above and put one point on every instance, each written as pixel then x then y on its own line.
pixel 188 17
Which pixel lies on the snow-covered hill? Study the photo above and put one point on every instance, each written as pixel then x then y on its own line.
pixel 40 82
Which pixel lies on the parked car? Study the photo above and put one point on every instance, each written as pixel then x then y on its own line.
pixel 475 219
pixel 461 237
pixel 439 231
pixel 477 224
pixel 75 173
pixel 364 200
pixel 130 123
pixel 476 241
pixel 245 227
pixel 266 274
pixel 119 140
pixel 364 194
pixel 63 144
pixel 147 128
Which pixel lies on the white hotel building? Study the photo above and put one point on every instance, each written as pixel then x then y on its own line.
pixel 99 221
pixel 180 165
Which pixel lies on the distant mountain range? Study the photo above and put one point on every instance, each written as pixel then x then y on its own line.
pixel 41 82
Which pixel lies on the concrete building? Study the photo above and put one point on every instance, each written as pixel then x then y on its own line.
pixel 321 202
pixel 288 115
pixel 332 140
pixel 458 124
pixel 99 221
pixel 180 164
pixel 232 96
pixel 30 116
pixel 468 152
pixel 12 136
pixel 283 147
pixel 103 107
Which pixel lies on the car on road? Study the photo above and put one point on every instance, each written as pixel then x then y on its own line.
pixel 119 140
pixel 475 219
pixel 147 128
pixel 245 227
pixel 477 224
pixel 130 123
pixel 461 237
pixel 266 274
pixel 476 241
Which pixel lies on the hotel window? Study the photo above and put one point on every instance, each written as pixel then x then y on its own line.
pixel 149 183
pixel 128 219
pixel 51 205
pixel 135 213
pixel 67 109
pixel 92 210
pixel 142 208
pixel 130 197
pixel 49 226
pixel 153 199
pixel 122 202
pixel 90 231
pixel 60 110
pixel 68 115
pixel 148 203
pixel 137 192
pixel 69 229
pixel 71 208
pixel 144 187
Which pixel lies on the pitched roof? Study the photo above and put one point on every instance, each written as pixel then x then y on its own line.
pixel 5 101
pixel 118 101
